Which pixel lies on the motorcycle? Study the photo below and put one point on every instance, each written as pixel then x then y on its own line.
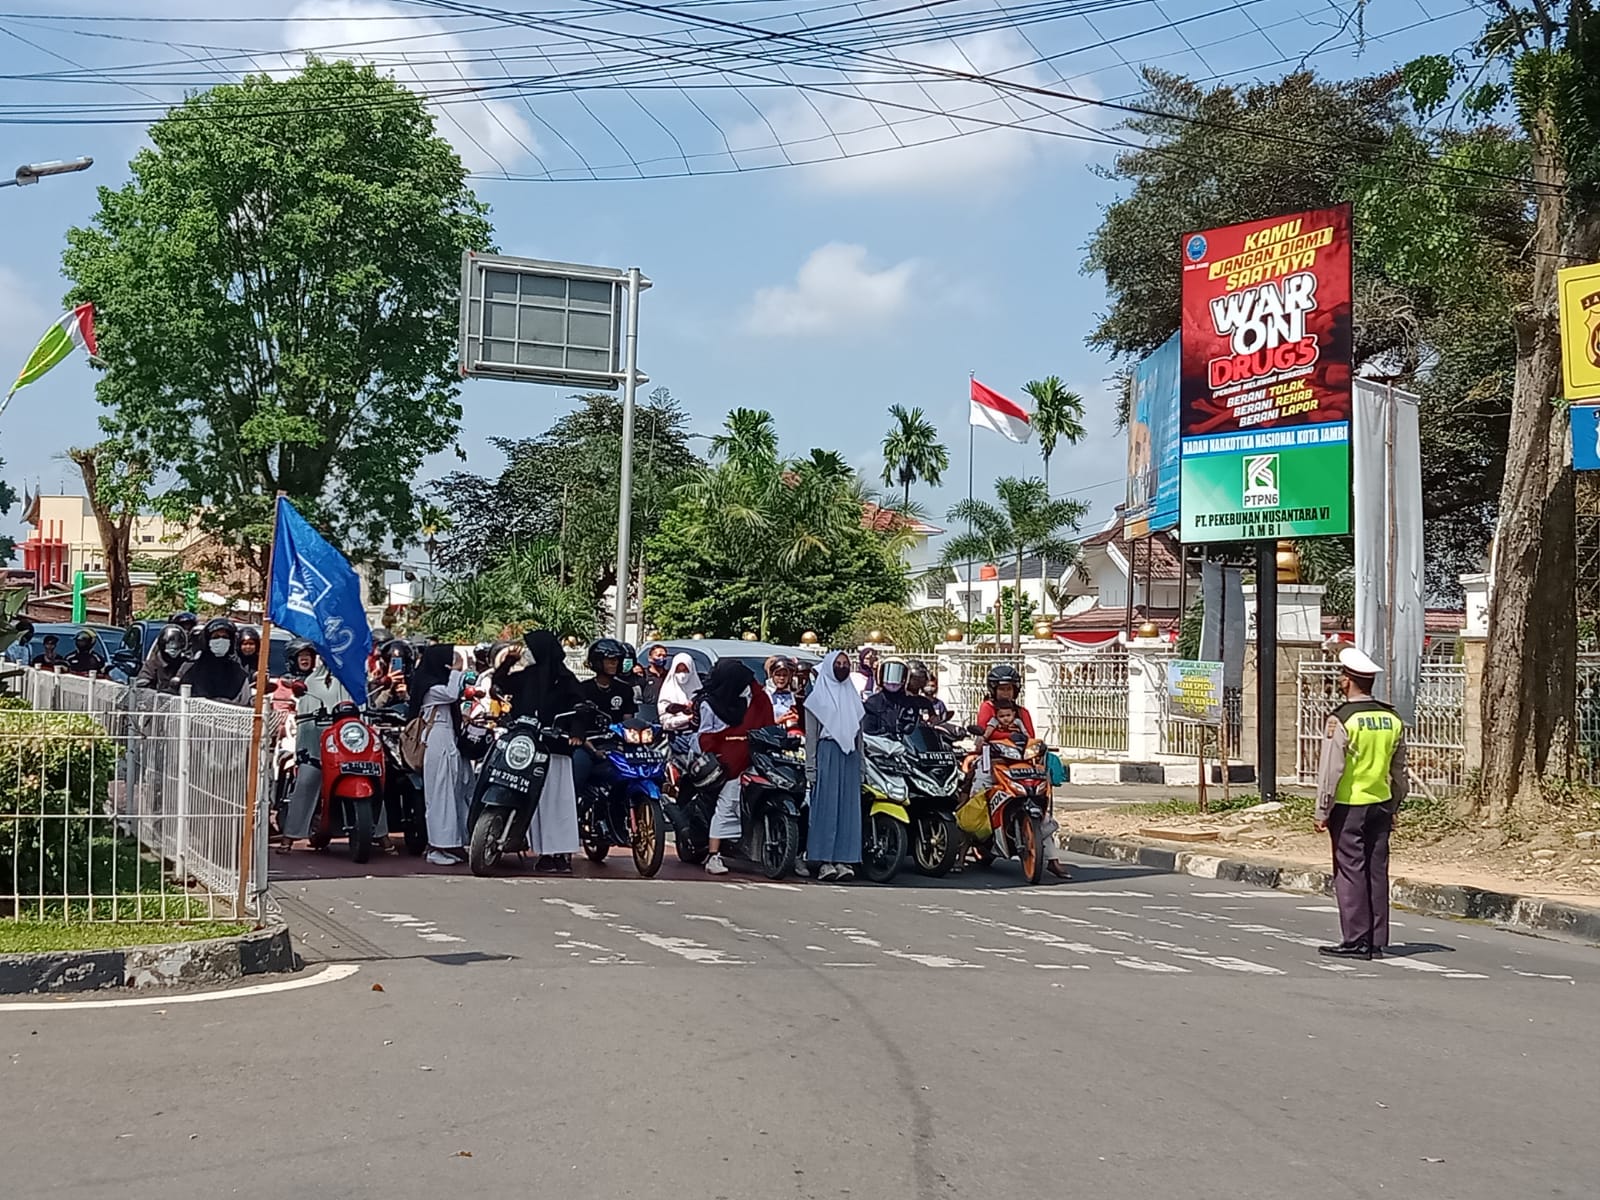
pixel 402 793
pixel 1018 801
pixel 509 786
pixel 352 782
pixel 623 803
pixel 933 785
pixel 771 792
pixel 885 817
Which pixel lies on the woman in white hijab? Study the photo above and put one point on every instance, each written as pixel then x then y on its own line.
pixel 675 703
pixel 833 769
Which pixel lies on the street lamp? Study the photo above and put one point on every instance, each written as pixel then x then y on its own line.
pixel 33 172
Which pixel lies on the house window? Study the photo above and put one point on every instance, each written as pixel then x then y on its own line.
pixel 147 537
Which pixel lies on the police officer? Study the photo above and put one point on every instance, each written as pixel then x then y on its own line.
pixel 1360 785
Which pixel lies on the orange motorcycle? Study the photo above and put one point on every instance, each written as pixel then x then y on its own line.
pixel 1016 804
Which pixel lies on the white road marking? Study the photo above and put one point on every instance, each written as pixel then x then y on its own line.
pixel 1072 893
pixel 1223 962
pixel 1322 908
pixel 849 964
pixel 1417 964
pixel 858 936
pixel 440 937
pixel 696 952
pixel 937 961
pixel 1044 937
pixel 1262 894
pixel 332 973
pixel 1061 966
pixel 733 928
pixel 1536 974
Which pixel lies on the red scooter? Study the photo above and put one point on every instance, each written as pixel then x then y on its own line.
pixel 352 782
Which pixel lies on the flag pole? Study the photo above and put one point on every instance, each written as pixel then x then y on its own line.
pixel 966 606
pixel 252 782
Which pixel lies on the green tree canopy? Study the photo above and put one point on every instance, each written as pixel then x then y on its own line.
pixel 912 451
pixel 275 294
pixel 1058 414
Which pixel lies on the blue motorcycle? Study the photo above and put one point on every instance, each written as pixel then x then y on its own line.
pixel 621 805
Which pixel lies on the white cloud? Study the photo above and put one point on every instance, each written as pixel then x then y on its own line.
pixel 834 290
pixel 874 139
pixel 488 134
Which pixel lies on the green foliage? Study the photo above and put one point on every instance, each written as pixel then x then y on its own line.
pixel 985 624
pixel 912 451
pixel 37 937
pixel 175 588
pixel 8 497
pixel 560 488
pixel 910 631
pixel 519 592
pixel 1190 629
pixel 1331 563
pixel 275 296
pixel 695 586
pixel 1058 415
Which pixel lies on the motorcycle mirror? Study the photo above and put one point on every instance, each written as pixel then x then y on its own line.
pixel 975 730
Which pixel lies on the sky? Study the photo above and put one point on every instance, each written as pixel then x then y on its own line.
pixel 824 240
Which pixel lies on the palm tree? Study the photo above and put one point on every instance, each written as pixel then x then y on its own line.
pixel 912 451
pixel 1025 521
pixel 1057 415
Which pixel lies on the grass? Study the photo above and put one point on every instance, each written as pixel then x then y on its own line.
pixel 1296 809
pixel 29 937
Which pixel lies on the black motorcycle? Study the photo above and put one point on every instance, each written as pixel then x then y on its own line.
pixel 622 803
pixel 933 786
pixel 771 792
pixel 402 787
pixel 509 786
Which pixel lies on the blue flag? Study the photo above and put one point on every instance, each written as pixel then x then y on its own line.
pixel 315 594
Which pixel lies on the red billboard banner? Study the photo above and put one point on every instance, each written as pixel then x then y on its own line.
pixel 1267 324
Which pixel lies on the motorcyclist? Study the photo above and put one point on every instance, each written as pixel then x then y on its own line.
pixel 612 696
pixel 216 673
pixel 21 650
pixel 188 622
pixel 49 657
pixel 386 684
pixel 166 660
pixel 249 649
pixel 1004 683
pixel 897 706
pixel 85 659
pixel 781 691
pixel 316 692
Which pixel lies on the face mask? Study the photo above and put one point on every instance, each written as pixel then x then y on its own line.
pixel 891 687
pixel 219 646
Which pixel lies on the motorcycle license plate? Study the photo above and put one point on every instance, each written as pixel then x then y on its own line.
pixel 362 768
pixel 508 779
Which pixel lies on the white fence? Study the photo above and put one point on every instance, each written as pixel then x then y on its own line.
pixel 124 804
pixel 1078 698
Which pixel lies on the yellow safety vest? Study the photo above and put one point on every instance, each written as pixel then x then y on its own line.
pixel 1374 731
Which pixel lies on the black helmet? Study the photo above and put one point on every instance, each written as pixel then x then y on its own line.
pixel 702 771
pixel 630 656
pixel 292 654
pixel 892 674
pixel 186 619
pixel 603 649
pixel 173 642
pixel 216 629
pixel 85 639
pixel 1004 673
pixel 249 633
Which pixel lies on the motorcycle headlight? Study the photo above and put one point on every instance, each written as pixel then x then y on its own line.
pixel 638 737
pixel 353 736
pixel 519 753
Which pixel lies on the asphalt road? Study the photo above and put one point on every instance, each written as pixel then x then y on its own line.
pixel 1123 1035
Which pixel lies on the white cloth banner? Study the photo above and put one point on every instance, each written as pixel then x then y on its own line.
pixel 1391 617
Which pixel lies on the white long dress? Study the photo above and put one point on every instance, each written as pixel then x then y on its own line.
pixel 446 777
pixel 554 828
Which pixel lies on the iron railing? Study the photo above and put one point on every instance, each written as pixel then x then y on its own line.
pixel 1086 700
pixel 1436 744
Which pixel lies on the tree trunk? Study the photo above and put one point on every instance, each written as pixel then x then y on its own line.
pixel 1016 609
pixel 115 537
pixel 1044 596
pixel 1529 678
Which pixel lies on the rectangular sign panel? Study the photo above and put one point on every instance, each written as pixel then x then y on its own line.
pixel 1579 289
pixel 1194 691
pixel 1264 405
pixel 1153 443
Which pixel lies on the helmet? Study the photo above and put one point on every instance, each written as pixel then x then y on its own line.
pixel 603 649
pixel 892 674
pixel 186 619
pixel 630 656
pixel 249 633
pixel 702 771
pixel 172 642
pixel 917 675
pixel 292 653
pixel 84 640
pixel 778 662
pixel 1004 673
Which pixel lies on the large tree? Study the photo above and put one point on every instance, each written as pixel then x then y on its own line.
pixel 275 292
pixel 1024 521
pixel 912 451
pixel 117 478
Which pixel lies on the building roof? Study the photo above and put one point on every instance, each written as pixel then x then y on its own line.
pixel 1163 548
pixel 1099 618
pixel 885 520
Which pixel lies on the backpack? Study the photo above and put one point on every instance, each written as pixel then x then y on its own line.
pixel 412 739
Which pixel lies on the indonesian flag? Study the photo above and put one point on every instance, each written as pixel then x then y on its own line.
pixel 991 410
pixel 72 330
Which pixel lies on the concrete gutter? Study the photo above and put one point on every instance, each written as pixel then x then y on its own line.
pixel 1534 913
pixel 174 964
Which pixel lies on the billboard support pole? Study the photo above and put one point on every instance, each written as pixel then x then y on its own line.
pixel 630 383
pixel 1267 670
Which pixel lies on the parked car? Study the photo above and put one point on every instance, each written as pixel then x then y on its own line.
pixel 141 635
pixel 704 653
pixel 108 638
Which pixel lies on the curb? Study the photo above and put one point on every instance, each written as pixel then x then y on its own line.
pixel 1433 899
pixel 173 964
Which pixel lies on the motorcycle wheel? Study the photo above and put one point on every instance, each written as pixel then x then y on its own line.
pixel 361 832
pixel 936 846
pixel 320 837
pixel 649 837
pixel 488 833
pixel 1030 848
pixel 690 853
pixel 416 835
pixel 595 846
pixel 780 843
pixel 882 848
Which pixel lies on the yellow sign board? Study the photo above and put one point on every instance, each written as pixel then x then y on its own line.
pixel 1579 288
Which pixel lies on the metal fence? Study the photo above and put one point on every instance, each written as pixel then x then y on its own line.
pixel 1586 718
pixel 966 671
pixel 1187 738
pixel 1436 743
pixel 117 804
pixel 1086 700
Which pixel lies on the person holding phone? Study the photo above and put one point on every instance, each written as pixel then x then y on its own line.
pixel 388 686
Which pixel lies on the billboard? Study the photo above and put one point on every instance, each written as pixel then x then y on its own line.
pixel 1194 691
pixel 1579 289
pixel 1152 504
pixel 1264 404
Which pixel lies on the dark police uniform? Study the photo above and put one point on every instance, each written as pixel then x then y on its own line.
pixel 1360 785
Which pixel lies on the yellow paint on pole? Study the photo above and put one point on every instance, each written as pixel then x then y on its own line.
pixel 1579 290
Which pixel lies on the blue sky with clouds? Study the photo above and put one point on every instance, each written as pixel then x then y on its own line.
pixel 901 252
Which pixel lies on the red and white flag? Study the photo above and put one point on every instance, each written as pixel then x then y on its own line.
pixel 991 410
